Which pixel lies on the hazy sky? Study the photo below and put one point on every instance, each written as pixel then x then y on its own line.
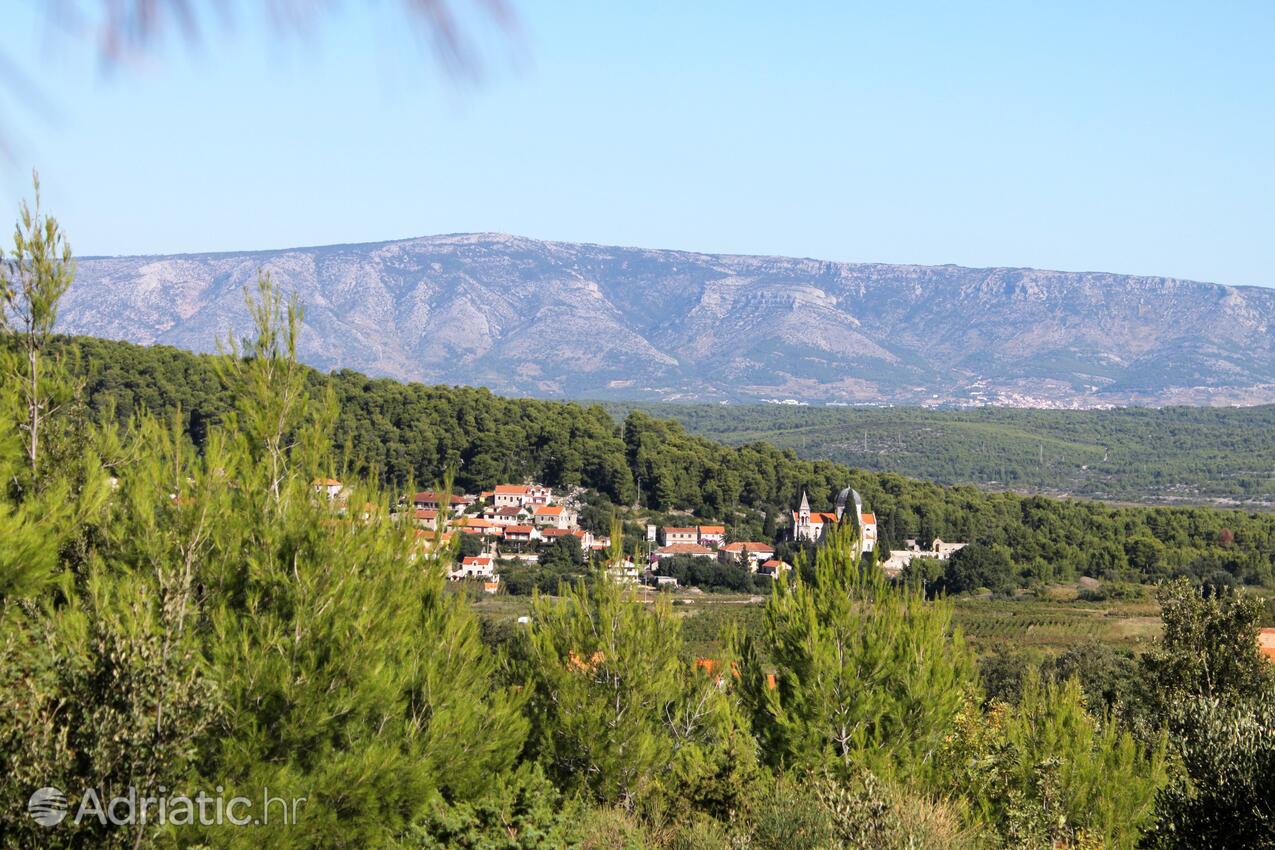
pixel 1128 137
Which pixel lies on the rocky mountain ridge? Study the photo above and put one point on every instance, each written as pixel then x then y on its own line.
pixel 556 319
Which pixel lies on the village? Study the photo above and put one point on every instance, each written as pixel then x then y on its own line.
pixel 513 524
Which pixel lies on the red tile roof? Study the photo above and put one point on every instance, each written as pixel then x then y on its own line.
pixel 712 529
pixel 431 496
pixel 816 518
pixel 472 522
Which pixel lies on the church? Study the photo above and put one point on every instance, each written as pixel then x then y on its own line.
pixel 811 526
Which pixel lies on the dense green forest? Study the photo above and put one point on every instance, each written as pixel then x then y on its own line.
pixel 398 433
pixel 182 617
pixel 1176 454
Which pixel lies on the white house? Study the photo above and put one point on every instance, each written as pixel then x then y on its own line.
pixel 555 516
pixel 329 488
pixel 585 538
pixel 428 500
pixel 900 558
pixel 673 535
pixel 521 533
pixel 625 572
pixel 712 535
pixel 510 494
pixel 774 568
pixel 693 549
pixel 749 553
pixel 507 515
pixel 476 566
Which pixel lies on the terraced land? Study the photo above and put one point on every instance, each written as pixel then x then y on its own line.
pixel 1055 625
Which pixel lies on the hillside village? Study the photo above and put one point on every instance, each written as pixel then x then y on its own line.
pixel 515 523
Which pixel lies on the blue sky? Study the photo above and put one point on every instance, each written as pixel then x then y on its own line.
pixel 1127 137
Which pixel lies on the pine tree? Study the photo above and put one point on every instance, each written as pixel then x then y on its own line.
pixel 1046 772
pixel 349 676
pixel 53 482
pixel 617 712
pixel 32 283
pixel 102 683
pixel 221 625
pixel 865 674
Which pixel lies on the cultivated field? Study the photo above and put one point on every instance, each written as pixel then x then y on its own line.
pixel 1044 625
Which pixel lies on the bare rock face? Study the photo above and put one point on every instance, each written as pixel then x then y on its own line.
pixel 557 319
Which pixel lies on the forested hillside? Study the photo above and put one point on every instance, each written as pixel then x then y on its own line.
pixel 411 432
pixel 1170 455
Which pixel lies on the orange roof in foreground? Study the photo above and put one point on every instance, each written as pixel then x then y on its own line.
pixel 1266 642
pixel 869 519
pixel 583 665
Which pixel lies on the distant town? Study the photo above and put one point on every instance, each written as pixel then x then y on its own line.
pixel 514 523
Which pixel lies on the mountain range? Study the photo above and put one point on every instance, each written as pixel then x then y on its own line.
pixel 556 319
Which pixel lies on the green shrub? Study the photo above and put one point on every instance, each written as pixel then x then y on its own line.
pixel 521 811
pixel 612 829
pixel 1046 770
pixel 1223 799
